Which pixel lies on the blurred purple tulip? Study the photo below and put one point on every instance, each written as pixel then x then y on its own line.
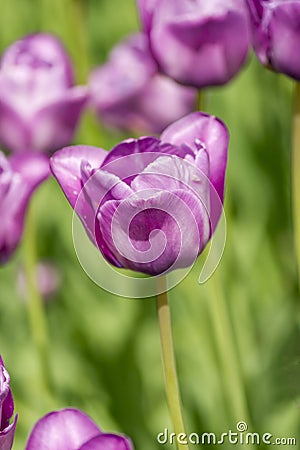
pixel 197 42
pixel 39 106
pixel 129 93
pixel 7 429
pixel 150 204
pixel 71 429
pixel 19 177
pixel 276 34
pixel 47 277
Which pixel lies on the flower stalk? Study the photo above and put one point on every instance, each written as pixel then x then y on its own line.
pixel 37 319
pixel 295 175
pixel 169 365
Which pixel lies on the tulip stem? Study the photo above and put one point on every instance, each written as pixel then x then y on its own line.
pixel 171 382
pixel 36 311
pixel 296 175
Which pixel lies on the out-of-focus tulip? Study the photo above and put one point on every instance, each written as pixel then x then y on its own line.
pixel 71 429
pixel 198 43
pixel 47 280
pixel 129 93
pixel 276 34
pixel 150 204
pixel 39 106
pixel 7 429
pixel 19 177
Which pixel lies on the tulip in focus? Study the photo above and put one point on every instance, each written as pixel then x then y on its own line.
pixel 197 43
pixel 7 429
pixel 19 177
pixel 71 429
pixel 129 93
pixel 39 104
pixel 150 204
pixel 276 34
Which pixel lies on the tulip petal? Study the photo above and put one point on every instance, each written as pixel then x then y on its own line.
pixel 212 40
pixel 284 33
pixel 107 441
pixel 67 429
pixel 212 133
pixel 28 172
pixel 14 131
pixel 66 167
pixel 7 436
pixel 139 154
pixel 54 125
pixel 154 231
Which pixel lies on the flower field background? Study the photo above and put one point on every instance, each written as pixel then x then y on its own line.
pixel 236 337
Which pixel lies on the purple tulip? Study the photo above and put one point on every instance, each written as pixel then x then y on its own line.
pixel 129 93
pixel 19 177
pixel 197 42
pixel 276 34
pixel 7 429
pixel 39 106
pixel 71 429
pixel 150 204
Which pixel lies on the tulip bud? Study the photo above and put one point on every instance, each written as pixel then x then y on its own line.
pixel 7 429
pixel 39 106
pixel 276 34
pixel 198 43
pixel 73 430
pixel 129 93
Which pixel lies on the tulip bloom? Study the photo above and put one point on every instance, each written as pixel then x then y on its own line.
pixel 276 34
pixel 19 177
pixel 198 43
pixel 150 204
pixel 71 429
pixel 7 429
pixel 39 106
pixel 129 93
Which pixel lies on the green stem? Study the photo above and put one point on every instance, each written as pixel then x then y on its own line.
pixel 171 382
pixel 296 175
pixel 228 353
pixel 36 311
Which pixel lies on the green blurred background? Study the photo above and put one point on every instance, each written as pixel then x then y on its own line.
pixel 236 337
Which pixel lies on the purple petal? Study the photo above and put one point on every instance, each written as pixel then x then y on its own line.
pixel 67 429
pixel 66 167
pixel 7 436
pixel 28 171
pixel 284 32
pixel 14 132
pixel 154 231
pixel 131 157
pixel 72 167
pixel 39 50
pixel 146 10
pixel 108 441
pixel 212 40
pixel 212 133
pixel 127 72
pixel 54 125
